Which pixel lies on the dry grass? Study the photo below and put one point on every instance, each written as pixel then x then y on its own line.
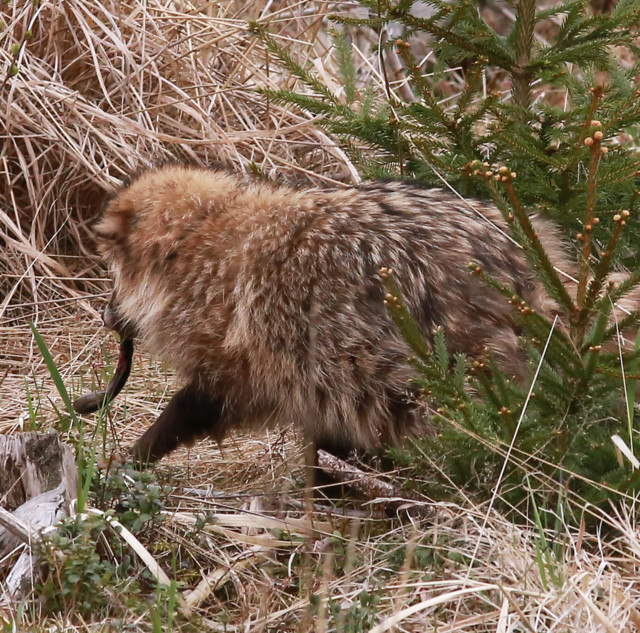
pixel 104 88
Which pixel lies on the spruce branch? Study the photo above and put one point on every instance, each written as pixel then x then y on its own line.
pixel 616 292
pixel 521 71
pixel 563 346
pixel 470 89
pixel 593 143
pixel 596 97
pixel 309 103
pixel 484 42
pixel 432 104
pixel 506 177
pixel 603 268
pixel 625 323
pixel 344 57
pixel 373 23
pixel 402 317
pixel 486 386
pixel 527 146
pixel 289 63
pixel 593 351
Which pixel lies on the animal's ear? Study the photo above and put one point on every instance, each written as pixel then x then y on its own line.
pixel 114 227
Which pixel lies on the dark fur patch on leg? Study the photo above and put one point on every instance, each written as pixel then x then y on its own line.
pixel 190 415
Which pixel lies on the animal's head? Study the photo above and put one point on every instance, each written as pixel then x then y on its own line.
pixel 147 237
pixel 113 237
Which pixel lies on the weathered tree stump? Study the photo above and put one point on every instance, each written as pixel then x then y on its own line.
pixel 33 463
pixel 38 482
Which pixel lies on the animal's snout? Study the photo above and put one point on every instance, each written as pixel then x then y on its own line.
pixel 113 320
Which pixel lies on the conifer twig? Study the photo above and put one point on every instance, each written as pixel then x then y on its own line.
pixel 603 269
pixel 404 51
pixel 596 92
pixel 532 236
pixel 593 143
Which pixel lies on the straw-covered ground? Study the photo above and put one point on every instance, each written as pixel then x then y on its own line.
pixel 90 91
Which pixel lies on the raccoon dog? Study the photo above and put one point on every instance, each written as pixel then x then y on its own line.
pixel 269 303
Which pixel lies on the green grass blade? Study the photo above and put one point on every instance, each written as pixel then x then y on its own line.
pixel 55 374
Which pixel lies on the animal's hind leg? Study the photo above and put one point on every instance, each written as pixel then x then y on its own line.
pixel 190 415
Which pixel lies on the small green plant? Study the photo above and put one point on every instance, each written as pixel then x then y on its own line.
pixel 85 552
pixel 135 495
pixel 79 576
pixel 162 613
pixel 360 616
pixel 547 555
pixel 32 406
pixel 82 554
pixel 71 424
pixel 17 48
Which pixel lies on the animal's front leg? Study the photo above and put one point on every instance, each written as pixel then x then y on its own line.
pixel 190 415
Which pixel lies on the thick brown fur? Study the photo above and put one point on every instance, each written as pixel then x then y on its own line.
pixel 269 302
